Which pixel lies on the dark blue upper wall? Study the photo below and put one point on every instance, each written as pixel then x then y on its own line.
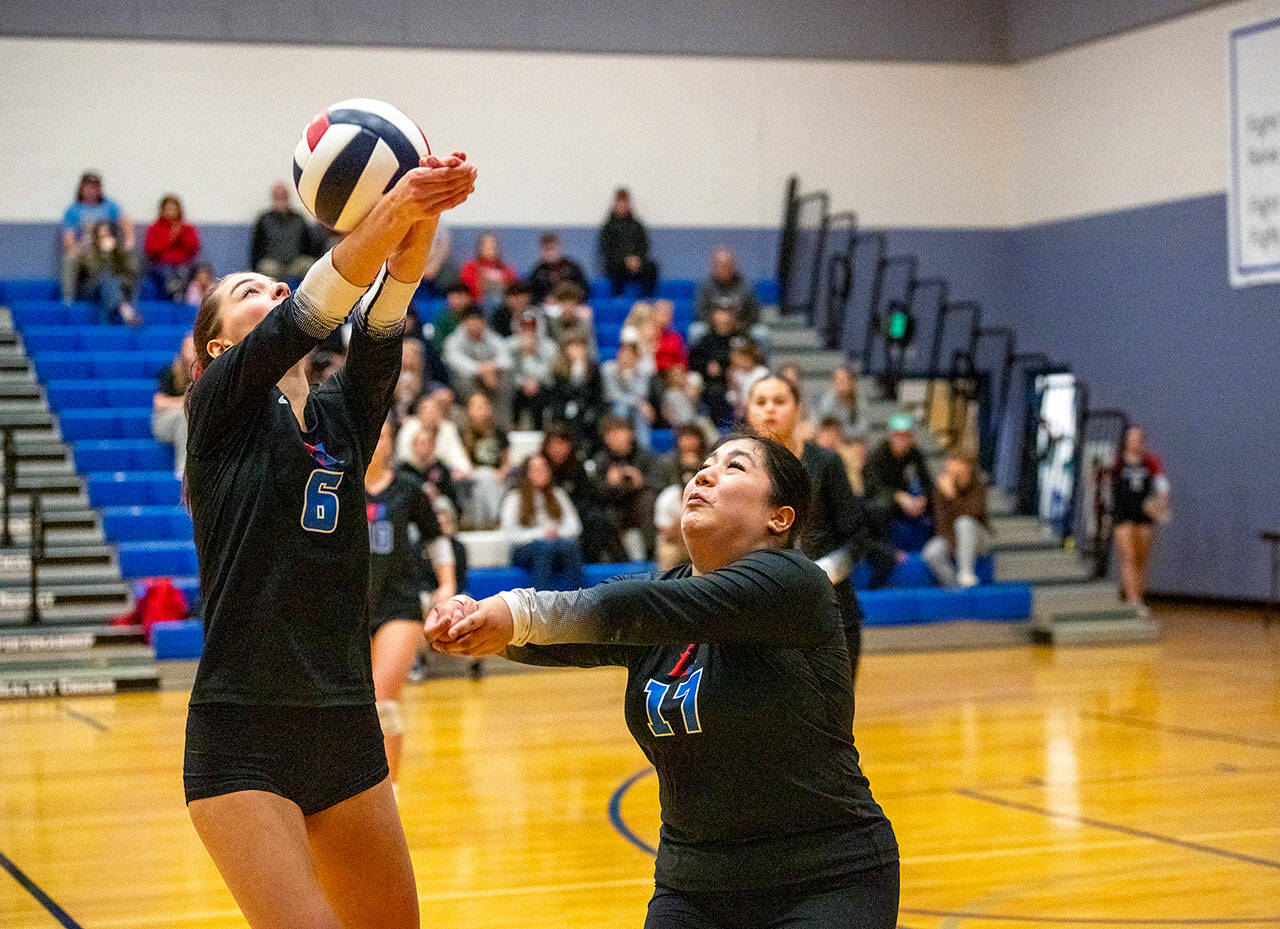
pixel 987 31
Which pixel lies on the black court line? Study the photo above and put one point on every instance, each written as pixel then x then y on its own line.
pixel 1101 920
pixel 1140 723
pixel 84 718
pixel 615 812
pixel 1116 827
pixel 42 898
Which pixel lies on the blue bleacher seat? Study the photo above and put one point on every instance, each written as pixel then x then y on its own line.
pixel 596 573
pixel 485 582
pixel 36 289
pixel 913 573
pixel 178 638
pixel 676 290
pixel 122 455
pixel 998 602
pixel 662 441
pixel 168 558
pixel 134 488
pixel 117 423
pixel 52 313
pixel 599 289
pixel 767 291
pixel 112 393
pixel 146 523
pixel 84 365
pixel 888 607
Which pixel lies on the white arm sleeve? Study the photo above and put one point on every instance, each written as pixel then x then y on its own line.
pixel 836 564
pixel 325 298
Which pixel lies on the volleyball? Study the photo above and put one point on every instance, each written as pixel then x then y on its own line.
pixel 351 154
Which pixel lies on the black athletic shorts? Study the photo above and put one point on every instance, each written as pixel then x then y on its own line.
pixel 862 900
pixel 393 608
pixel 315 756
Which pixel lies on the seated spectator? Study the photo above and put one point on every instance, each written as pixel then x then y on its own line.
pixel 284 245
pixel 171 245
pixel 168 412
pixel 562 450
pixel 669 547
pixel 627 389
pixel 725 287
pixel 567 315
pixel 78 224
pixel 532 358
pixel 640 328
pixel 898 485
pixel 679 465
pixel 515 304
pixel 202 281
pixel 852 450
pixel 629 481
pixel 709 357
pixel 425 466
pixel 479 360
pixel 670 344
pixel 542 527
pixel 746 366
pixel 485 274
pixel 441 271
pixel 487 447
pixel 433 411
pixel 552 268
pixel 108 276
pixel 624 249
pixel 681 402
pixel 577 390
pixel 457 300
pixel 960 521
pixel 842 401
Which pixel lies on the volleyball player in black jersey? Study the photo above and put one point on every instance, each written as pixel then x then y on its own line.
pixel 402 529
pixel 739 692
pixel 833 537
pixel 285 772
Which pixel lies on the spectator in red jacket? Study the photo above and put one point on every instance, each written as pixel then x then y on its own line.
pixel 171 245
pixel 486 275
pixel 670 348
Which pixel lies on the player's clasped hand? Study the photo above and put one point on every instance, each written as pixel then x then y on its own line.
pixel 461 626
pixel 438 184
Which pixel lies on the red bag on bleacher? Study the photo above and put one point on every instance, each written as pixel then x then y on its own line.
pixel 159 602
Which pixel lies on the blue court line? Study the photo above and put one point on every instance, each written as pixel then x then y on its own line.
pixel 1116 827
pixel 42 898
pixel 615 812
pixel 1210 734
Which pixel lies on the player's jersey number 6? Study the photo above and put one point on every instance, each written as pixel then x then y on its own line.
pixel 320 503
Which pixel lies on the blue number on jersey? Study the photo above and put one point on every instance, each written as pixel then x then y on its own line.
pixel 687 695
pixel 320 503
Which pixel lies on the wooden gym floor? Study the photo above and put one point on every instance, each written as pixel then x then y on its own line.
pixel 1118 786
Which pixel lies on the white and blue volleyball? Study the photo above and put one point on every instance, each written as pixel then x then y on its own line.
pixel 350 155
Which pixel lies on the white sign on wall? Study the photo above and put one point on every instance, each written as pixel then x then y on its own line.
pixel 1253 195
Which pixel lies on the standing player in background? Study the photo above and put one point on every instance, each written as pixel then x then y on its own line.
pixel 1139 500
pixel 767 820
pixel 774 410
pixel 402 527
pixel 285 770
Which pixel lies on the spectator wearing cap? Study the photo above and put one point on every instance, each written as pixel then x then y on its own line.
pixel 628 387
pixel 960 520
pixel 532 357
pixel 78 223
pixel 516 301
pixel 624 249
pixel 898 485
pixel 552 268
pixel 284 245
pixel 479 360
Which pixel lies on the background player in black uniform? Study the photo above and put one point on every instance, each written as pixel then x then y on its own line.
pixel 285 772
pixel 1139 500
pixel 767 820
pixel 833 538
pixel 402 529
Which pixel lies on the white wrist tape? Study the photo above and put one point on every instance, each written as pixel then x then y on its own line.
pixel 383 307
pixel 325 298
pixel 520 614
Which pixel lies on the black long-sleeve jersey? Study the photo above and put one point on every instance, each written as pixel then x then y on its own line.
pixel 401 523
pixel 750 727
pixel 279 517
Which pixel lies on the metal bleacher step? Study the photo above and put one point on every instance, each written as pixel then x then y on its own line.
pixel 25 414
pixel 15 640
pixel 1021 533
pixel 819 362
pixel 114 656
pixel 19 385
pixel 55 576
pixel 1042 566
pixel 73 682
pixel 88 602
pixel 1087 614
pixel 786 341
